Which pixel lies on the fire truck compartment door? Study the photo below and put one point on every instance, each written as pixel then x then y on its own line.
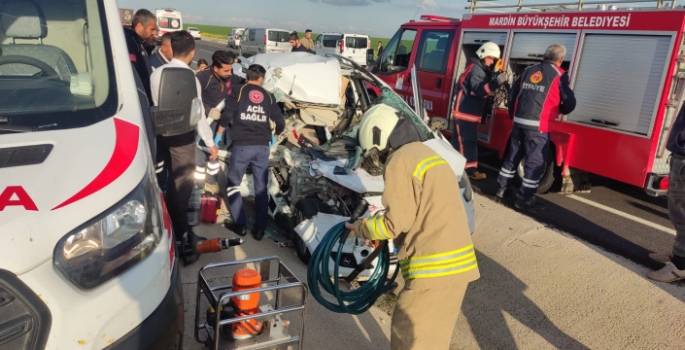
pixel 619 81
pixel 479 38
pixel 533 45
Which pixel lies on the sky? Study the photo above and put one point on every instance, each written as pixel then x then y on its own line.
pixel 376 18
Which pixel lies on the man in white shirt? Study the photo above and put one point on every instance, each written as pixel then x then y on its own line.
pixel 180 149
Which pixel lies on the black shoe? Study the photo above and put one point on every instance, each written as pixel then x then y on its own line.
pixel 530 204
pixel 237 229
pixel 194 239
pixel 258 234
pixel 500 193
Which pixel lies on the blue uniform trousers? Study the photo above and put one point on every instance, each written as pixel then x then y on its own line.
pixel 532 144
pixel 257 158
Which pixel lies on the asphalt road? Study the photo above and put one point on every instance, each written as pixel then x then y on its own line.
pixel 616 217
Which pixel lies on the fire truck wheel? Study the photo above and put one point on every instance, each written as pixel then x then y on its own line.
pixel 549 176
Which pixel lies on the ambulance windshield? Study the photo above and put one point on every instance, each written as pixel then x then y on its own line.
pixel 55 64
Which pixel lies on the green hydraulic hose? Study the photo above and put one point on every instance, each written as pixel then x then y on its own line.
pixel 356 301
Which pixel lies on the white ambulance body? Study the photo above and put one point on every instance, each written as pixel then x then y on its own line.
pixel 86 260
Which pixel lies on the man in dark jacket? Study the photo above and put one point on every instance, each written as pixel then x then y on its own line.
pixel 675 262
pixel 476 84
pixel 143 30
pixel 163 54
pixel 536 98
pixel 218 83
pixel 296 44
pixel 251 113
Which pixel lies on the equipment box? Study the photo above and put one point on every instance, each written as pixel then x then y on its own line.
pixel 250 304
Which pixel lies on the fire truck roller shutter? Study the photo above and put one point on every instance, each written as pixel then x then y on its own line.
pixel 530 45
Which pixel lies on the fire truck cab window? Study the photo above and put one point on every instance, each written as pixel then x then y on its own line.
pixel 434 50
pixel 397 54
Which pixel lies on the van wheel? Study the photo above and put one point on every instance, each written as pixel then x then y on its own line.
pixel 550 174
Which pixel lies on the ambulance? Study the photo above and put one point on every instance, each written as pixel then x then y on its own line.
pixel 168 20
pixel 627 68
pixel 87 259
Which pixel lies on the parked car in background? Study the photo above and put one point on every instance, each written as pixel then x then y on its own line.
pixel 234 38
pixel 196 33
pixel 264 40
pixel 352 46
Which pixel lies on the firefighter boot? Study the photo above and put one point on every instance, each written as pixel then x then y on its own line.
pixel 530 204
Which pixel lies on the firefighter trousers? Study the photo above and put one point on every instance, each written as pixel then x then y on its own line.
pixel 257 158
pixel 465 140
pixel 424 319
pixel 180 150
pixel 676 202
pixel 532 144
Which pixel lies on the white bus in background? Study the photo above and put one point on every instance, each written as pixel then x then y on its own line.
pixel 168 20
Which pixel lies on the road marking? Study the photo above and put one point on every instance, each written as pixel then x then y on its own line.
pixel 604 207
pixel 623 214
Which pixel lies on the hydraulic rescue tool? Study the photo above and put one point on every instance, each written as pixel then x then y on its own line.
pixel 248 312
pixel 329 251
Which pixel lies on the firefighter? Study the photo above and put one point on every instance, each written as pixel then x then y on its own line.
pixel 425 217
pixel 217 84
pixel 537 97
pixel 476 84
pixel 143 30
pixel 251 113
pixel 675 262
pixel 180 149
pixel 163 54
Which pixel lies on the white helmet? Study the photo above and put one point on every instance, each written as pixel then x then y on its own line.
pixel 488 49
pixel 376 126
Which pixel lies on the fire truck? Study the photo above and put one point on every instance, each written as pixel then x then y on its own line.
pixel 627 68
pixel 168 20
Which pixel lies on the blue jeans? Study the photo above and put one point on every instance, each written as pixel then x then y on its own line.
pixel 676 202
pixel 257 158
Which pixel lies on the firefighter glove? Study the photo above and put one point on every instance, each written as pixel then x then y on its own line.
pixel 501 79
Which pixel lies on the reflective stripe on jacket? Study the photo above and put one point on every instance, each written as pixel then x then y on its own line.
pixel 425 216
pixel 474 87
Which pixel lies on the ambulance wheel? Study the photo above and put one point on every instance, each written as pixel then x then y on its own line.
pixel 549 176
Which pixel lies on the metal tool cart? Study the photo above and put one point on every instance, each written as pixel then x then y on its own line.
pixel 248 312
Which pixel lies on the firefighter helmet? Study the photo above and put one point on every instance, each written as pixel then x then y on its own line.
pixel 376 126
pixel 488 49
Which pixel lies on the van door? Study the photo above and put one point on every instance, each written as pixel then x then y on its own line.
pixel 355 48
pixel 277 41
pixel 393 66
pixel 433 66
pixel 247 43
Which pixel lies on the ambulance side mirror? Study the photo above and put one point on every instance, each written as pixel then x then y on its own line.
pixel 179 108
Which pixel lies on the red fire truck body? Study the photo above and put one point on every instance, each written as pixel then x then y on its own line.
pixel 626 67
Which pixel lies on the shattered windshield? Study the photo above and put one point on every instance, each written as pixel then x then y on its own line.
pixel 392 99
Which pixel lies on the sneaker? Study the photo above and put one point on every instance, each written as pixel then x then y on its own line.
pixel 212 188
pixel 500 193
pixel 660 258
pixel 258 234
pixel 668 273
pixel 530 204
pixel 477 176
pixel 237 229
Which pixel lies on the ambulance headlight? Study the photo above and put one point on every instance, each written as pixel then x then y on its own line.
pixel 114 241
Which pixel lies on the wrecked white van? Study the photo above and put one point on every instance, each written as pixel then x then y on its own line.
pixel 318 175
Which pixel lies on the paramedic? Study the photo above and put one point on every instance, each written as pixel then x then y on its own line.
pixel 536 98
pixel 181 148
pixel 675 262
pixel 143 29
pixel 475 87
pixel 296 44
pixel 251 112
pixel 425 217
pixel 163 54
pixel 217 84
